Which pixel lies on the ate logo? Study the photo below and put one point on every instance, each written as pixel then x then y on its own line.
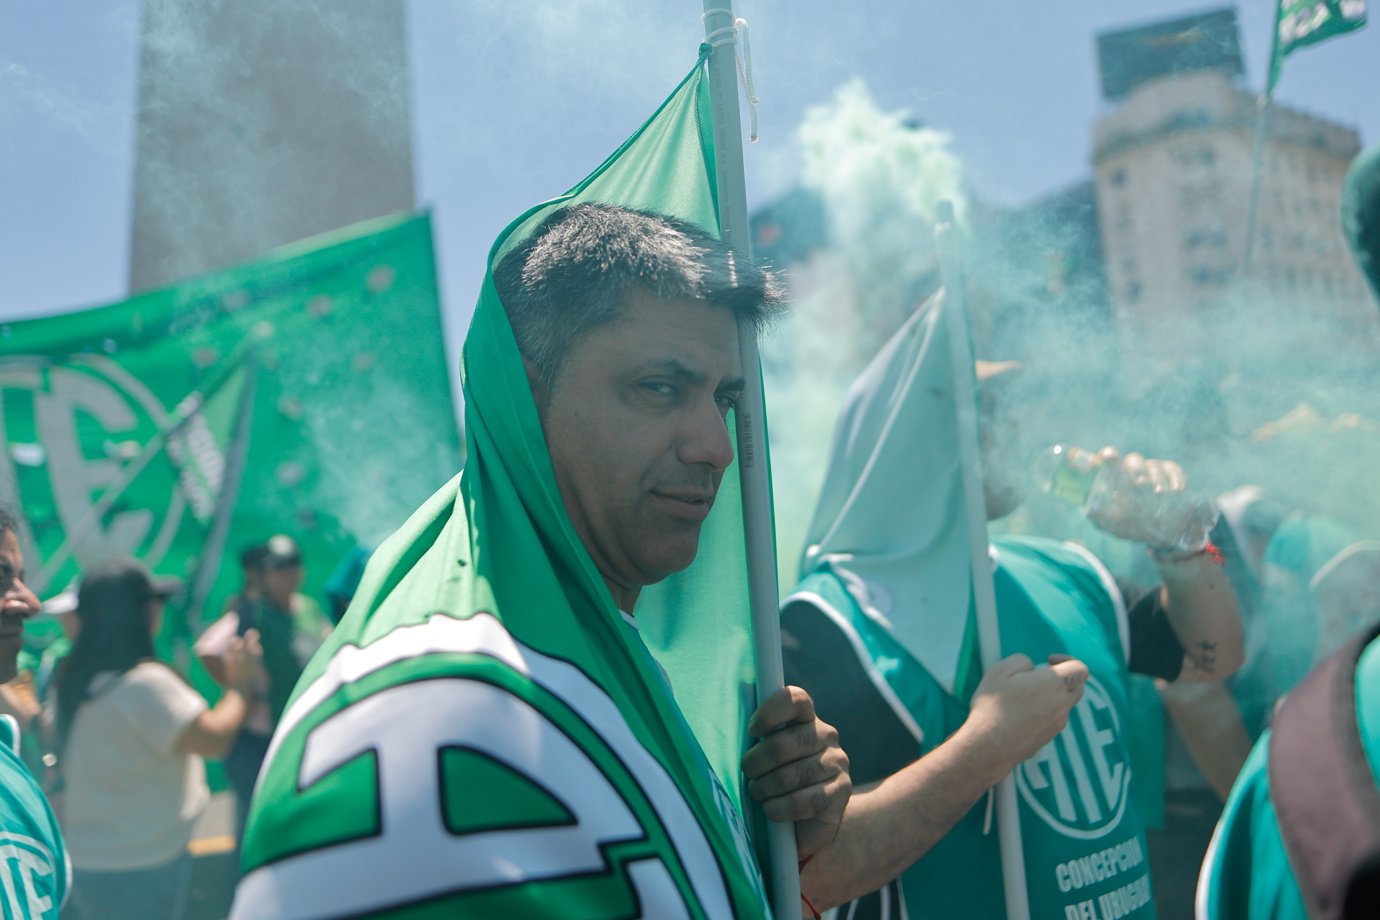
pixel 75 438
pixel 625 822
pixel 1079 782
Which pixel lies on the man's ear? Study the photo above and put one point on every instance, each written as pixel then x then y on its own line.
pixel 541 393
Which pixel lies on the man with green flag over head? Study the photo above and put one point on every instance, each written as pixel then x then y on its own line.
pixel 491 731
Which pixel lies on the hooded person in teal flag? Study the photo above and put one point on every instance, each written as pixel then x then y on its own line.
pixel 881 632
pixel 534 705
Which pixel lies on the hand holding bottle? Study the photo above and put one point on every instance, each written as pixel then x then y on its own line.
pixel 1131 497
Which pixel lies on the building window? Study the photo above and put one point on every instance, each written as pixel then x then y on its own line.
pixel 1205 275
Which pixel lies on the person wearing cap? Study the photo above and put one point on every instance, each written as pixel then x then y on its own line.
pixel 38 872
pixel 290 627
pixel 132 737
pixel 881 632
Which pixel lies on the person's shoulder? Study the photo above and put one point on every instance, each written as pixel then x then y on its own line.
pixel 152 673
pixel 307 614
pixel 151 679
pixel 821 590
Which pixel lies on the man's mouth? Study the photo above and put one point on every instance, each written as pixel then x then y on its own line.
pixel 692 504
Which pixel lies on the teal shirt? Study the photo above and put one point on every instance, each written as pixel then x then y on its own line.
pixel 1246 872
pixel 1082 832
pixel 36 874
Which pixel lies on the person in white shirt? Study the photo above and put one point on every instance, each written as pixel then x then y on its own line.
pixel 132 736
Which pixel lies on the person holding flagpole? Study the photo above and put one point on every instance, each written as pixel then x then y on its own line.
pixel 881 632
pixel 535 705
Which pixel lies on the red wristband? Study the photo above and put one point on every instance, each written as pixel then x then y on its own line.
pixel 1170 555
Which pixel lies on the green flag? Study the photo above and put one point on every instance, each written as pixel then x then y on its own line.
pixel 281 395
pixel 575 786
pixel 1304 22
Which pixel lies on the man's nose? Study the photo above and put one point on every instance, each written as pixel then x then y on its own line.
pixel 19 601
pixel 705 439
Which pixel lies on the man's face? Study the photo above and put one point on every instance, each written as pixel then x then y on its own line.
pixel 635 424
pixel 280 582
pixel 17 604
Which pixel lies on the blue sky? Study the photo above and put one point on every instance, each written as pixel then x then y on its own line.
pixel 515 101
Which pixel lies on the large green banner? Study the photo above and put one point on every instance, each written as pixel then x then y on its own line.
pixel 304 393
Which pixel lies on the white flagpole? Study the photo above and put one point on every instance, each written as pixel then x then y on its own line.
pixel 1264 106
pixel 750 414
pixel 984 596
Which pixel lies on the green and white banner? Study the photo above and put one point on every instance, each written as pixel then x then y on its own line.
pixel 1305 22
pixel 484 735
pixel 305 392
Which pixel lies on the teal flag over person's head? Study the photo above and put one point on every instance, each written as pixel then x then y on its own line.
pixel 485 734
pixel 890 517
pixel 283 395
pixel 889 562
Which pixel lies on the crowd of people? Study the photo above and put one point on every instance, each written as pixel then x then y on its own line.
pixel 488 732
pixel 120 738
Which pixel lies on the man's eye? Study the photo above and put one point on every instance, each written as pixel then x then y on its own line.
pixel 726 402
pixel 659 388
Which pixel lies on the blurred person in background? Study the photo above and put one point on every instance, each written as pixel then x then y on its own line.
pixel 881 633
pixel 38 873
pixel 251 582
pixel 291 627
pixel 133 736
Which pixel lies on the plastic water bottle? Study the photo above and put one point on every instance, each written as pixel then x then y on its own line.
pixel 1077 476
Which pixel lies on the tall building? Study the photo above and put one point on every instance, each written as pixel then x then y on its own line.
pixel 262 123
pixel 1173 164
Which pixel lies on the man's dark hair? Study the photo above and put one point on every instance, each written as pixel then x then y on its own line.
pixel 568 277
pixel 252 556
pixel 113 608
pixel 9 523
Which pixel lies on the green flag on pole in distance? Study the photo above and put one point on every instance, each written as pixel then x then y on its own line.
pixel 1306 22
pixel 576 787
pixel 283 395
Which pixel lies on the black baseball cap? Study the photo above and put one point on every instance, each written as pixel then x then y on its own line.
pixel 281 552
pixel 125 575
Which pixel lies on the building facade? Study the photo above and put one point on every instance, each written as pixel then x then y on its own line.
pixel 1173 165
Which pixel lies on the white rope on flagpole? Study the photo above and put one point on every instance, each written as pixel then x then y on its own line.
pixel 727 35
pixel 750 415
pixel 955 307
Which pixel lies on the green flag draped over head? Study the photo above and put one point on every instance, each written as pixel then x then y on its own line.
pixel 281 395
pixel 1305 22
pixel 484 734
